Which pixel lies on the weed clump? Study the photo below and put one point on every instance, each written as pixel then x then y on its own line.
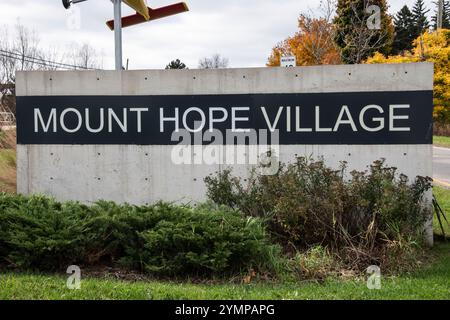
pixel 361 218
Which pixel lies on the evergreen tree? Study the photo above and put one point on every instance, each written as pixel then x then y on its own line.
pixel 404 31
pixel 420 17
pixel 354 37
pixel 176 64
pixel 445 15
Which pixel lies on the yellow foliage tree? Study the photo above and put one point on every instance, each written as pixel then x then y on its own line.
pixel 312 45
pixel 433 47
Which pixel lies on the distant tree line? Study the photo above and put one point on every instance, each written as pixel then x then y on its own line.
pixel 362 31
pixel 351 31
pixel 410 24
pixel 20 50
pixel 216 61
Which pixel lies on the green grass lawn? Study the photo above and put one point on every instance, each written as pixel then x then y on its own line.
pixel 443 198
pixel 430 282
pixel 441 141
pixel 7 170
pixel 7 158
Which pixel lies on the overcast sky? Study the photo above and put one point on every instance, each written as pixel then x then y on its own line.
pixel 242 30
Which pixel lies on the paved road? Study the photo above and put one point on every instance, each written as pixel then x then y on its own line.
pixel 441 166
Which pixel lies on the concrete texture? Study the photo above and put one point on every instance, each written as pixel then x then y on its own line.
pixel 145 174
pixel 342 78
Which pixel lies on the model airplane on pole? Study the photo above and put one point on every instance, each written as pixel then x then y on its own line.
pixel 143 14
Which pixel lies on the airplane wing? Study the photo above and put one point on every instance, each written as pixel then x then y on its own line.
pixel 152 13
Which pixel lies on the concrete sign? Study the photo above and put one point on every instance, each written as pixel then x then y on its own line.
pixel 144 136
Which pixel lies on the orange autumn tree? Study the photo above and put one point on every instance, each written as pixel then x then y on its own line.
pixel 312 45
pixel 433 47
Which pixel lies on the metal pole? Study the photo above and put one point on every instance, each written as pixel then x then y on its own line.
pixel 440 14
pixel 118 32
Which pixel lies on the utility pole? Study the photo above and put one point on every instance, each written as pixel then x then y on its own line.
pixel 440 14
pixel 143 14
pixel 118 33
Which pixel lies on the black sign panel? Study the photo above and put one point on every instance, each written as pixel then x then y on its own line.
pixel 307 118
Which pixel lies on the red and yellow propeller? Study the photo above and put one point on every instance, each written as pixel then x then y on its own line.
pixel 140 6
pixel 143 12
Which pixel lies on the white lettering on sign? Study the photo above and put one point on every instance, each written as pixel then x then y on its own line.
pixel 114 120
pixel 378 119
pixel 236 119
pixel 318 128
pixel 272 126
pixel 393 117
pixel 298 127
pixel 217 120
pixel 101 124
pixel 45 126
pixel 123 124
pixel 345 112
pixel 370 118
pixel 139 117
pixel 164 119
pixel 63 123
pixel 202 117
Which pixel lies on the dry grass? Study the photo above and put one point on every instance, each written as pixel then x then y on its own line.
pixel 8 161
pixel 441 129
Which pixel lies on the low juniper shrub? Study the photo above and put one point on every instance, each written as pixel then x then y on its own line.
pixel 163 239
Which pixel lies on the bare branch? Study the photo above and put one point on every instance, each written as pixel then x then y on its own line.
pixel 214 62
